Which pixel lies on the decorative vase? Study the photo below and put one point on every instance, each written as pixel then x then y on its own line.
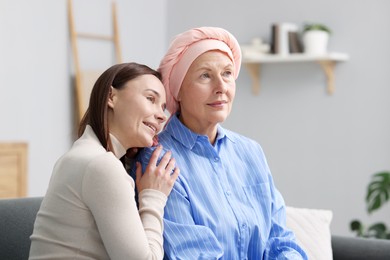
pixel 315 42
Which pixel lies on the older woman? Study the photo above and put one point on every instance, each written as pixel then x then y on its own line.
pixel 89 210
pixel 224 205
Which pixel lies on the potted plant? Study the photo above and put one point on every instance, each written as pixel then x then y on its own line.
pixel 378 193
pixel 315 38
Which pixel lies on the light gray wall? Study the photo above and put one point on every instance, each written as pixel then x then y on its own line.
pixel 321 149
pixel 36 100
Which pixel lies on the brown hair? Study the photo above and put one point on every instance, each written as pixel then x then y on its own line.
pixel 96 115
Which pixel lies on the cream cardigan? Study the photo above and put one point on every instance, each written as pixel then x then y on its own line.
pixel 89 210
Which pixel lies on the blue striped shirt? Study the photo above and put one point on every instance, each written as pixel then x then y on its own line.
pixel 224 204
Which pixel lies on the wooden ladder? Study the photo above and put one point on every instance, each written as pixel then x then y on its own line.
pixel 85 79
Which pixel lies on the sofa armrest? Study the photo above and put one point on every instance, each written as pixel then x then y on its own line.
pixel 17 217
pixel 360 248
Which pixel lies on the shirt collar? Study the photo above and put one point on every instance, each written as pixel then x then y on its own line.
pixel 188 138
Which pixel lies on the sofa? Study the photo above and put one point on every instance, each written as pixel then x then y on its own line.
pixel 17 218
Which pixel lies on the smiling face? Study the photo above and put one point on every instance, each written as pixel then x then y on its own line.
pixel 136 111
pixel 207 93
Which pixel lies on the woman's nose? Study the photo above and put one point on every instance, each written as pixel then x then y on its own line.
pixel 221 86
pixel 161 116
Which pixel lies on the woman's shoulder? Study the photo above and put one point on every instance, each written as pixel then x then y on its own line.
pixel 86 151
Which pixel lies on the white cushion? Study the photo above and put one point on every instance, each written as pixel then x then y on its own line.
pixel 312 231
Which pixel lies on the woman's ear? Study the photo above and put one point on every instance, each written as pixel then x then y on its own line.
pixel 111 97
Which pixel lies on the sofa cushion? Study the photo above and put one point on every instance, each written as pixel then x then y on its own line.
pixel 312 230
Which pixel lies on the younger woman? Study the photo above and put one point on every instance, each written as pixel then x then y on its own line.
pixel 89 210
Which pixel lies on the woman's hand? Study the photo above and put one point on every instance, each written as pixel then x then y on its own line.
pixel 159 176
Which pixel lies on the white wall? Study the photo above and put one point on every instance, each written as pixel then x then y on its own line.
pixel 36 100
pixel 321 149
pixel 35 95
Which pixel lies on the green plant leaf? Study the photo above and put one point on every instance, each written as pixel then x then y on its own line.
pixel 377 230
pixel 378 191
pixel 357 226
pixel 316 26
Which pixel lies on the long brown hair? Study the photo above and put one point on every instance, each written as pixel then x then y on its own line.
pixel 96 115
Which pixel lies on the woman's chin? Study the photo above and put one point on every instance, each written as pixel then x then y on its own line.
pixel 148 140
pixel 149 143
pixel 152 142
pixel 155 140
pixel 220 117
pixel 145 142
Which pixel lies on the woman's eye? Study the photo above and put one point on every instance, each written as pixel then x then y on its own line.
pixel 227 73
pixel 151 99
pixel 205 76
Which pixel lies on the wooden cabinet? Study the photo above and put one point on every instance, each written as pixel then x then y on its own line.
pixel 13 170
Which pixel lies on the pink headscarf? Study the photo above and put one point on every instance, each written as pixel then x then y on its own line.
pixel 185 48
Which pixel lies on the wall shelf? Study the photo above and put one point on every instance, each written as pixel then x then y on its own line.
pixel 327 62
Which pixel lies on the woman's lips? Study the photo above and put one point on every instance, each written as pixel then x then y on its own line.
pixel 217 103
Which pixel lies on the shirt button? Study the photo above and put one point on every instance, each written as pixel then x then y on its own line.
pixel 216 159
pixel 243 226
pixel 228 193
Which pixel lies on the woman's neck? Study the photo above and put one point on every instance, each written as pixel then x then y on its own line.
pixel 209 130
